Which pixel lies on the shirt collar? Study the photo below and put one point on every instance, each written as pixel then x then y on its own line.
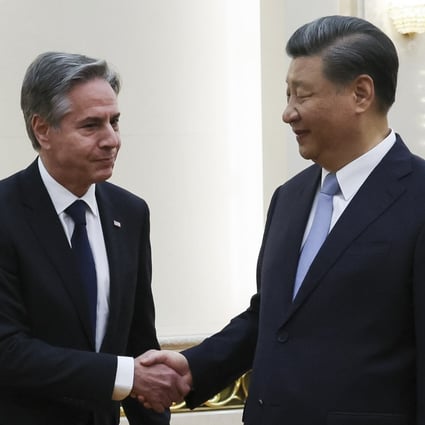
pixel 355 173
pixel 61 197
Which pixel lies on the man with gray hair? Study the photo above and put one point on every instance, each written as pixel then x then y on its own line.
pixel 75 262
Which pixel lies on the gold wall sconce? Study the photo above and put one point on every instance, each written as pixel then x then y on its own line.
pixel 408 16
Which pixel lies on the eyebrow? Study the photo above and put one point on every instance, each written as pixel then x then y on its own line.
pixel 97 118
pixel 296 83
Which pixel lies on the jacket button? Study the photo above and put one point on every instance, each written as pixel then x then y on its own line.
pixel 283 337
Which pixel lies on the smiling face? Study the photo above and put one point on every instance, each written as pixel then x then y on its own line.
pixel 83 148
pixel 322 114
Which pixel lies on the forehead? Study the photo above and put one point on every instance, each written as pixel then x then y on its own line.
pixel 91 94
pixel 305 70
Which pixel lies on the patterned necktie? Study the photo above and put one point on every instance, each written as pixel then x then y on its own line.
pixel 319 229
pixel 81 247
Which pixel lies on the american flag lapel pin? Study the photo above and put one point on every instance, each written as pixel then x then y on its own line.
pixel 117 223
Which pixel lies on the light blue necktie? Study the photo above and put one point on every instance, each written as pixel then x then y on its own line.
pixel 319 228
pixel 84 256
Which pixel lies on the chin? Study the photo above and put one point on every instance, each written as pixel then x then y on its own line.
pixel 304 153
pixel 101 177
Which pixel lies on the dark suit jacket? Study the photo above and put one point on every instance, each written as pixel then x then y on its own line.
pixel 350 349
pixel 49 372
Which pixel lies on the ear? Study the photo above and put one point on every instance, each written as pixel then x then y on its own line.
pixel 41 129
pixel 363 92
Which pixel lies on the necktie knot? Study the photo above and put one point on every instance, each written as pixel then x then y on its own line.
pixel 330 185
pixel 77 211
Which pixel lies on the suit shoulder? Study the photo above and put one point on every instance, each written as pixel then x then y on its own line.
pixel 294 185
pixel 121 195
pixel 299 179
pixel 9 185
pixel 418 163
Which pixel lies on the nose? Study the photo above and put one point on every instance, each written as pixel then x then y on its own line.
pixel 111 137
pixel 290 113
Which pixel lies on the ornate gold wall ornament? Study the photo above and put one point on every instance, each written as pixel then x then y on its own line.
pixel 232 397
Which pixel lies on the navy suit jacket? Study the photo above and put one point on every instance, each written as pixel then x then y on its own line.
pixel 350 349
pixel 49 372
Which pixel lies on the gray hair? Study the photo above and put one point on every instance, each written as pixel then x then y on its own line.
pixel 349 47
pixel 48 81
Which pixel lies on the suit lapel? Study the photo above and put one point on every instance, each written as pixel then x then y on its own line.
pixel 380 190
pixel 111 225
pixel 295 227
pixel 286 221
pixel 52 240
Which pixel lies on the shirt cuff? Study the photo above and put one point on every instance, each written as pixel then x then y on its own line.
pixel 123 378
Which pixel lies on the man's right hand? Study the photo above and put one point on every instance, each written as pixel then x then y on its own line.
pixel 161 378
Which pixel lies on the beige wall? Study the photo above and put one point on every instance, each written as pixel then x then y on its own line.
pixel 203 140
pixel 191 130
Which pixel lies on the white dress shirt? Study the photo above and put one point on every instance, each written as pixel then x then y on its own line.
pixel 62 198
pixel 350 179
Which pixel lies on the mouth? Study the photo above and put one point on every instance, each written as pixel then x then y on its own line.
pixel 105 163
pixel 108 159
pixel 300 134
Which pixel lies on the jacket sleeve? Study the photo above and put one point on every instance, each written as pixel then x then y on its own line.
pixel 419 315
pixel 223 357
pixel 142 335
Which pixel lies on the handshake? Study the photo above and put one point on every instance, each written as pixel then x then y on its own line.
pixel 161 378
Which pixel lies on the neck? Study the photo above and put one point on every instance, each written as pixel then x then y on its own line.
pixel 369 134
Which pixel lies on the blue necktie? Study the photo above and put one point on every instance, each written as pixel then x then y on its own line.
pixel 319 228
pixel 83 254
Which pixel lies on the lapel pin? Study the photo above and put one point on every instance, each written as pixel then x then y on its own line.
pixel 117 223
